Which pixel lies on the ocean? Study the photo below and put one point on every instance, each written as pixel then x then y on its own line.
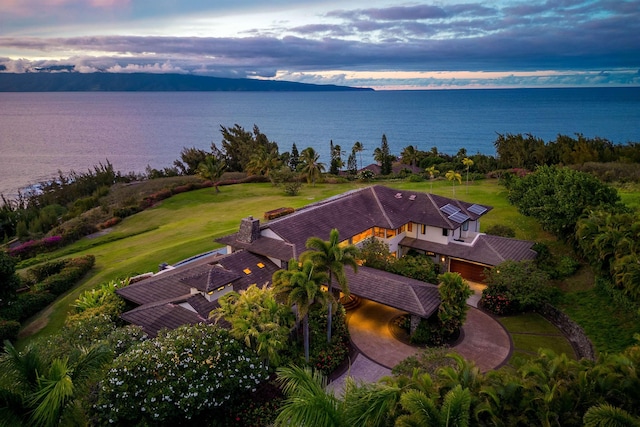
pixel 43 133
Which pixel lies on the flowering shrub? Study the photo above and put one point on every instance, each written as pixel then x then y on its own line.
pixel 497 303
pixel 109 223
pixel 327 358
pixel 31 248
pixel 183 374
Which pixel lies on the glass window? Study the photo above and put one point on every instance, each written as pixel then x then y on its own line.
pixel 445 232
pixel 410 226
pixel 424 229
pixel 465 226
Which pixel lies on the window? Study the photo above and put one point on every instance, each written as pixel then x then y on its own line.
pixel 390 233
pixel 424 229
pixel 379 232
pixel 445 232
pixel 410 226
pixel 465 226
pixel 362 236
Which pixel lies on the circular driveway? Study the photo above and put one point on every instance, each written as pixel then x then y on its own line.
pixel 483 340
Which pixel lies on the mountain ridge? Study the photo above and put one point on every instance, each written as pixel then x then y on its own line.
pixel 149 82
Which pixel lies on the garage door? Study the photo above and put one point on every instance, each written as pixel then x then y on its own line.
pixel 468 270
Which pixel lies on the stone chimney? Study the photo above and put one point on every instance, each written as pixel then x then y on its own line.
pixel 249 230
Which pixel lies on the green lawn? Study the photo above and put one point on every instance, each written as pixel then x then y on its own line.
pixel 530 332
pixel 187 224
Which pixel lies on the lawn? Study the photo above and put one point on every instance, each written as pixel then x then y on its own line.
pixel 187 224
pixel 530 332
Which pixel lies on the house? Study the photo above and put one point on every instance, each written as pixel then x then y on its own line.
pixel 444 229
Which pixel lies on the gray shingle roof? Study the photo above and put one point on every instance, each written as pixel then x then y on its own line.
pixel 154 317
pixel 410 295
pixel 358 210
pixel 489 250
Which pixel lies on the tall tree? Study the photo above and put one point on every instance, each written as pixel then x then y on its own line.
pixel 300 285
pixel 409 155
pixel 294 158
pixel 336 158
pixel 454 176
pixel 312 168
pixel 9 280
pixel 329 256
pixel 239 145
pixel 383 156
pixel 467 162
pixel 433 172
pixel 352 163
pixel 263 161
pixel 358 148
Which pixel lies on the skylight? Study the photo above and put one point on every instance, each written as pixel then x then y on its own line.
pixel 449 209
pixel 477 209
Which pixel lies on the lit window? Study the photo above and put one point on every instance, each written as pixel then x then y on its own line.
pixel 221 288
pixel 247 271
pixel 410 227
pixel 424 229
pixel 260 265
pixel 465 226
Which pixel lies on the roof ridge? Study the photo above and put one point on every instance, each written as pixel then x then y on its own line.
pixel 384 212
pixel 433 202
pixel 488 243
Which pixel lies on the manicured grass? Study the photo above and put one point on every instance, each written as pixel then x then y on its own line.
pixel 609 327
pixel 530 332
pixel 187 224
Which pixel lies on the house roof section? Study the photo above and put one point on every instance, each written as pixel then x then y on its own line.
pixel 154 317
pixel 359 210
pixel 488 250
pixel 410 295
pixel 266 246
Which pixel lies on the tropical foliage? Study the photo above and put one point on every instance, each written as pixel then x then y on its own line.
pixel 311 167
pixel 331 257
pixel 258 320
pixel 557 197
pixel 515 287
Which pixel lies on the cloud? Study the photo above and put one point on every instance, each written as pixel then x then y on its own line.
pixel 573 35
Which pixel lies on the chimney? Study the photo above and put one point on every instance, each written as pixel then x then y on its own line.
pixel 249 230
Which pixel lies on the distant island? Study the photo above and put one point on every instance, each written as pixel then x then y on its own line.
pixel 147 82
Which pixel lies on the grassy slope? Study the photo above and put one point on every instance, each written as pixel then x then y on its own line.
pixel 188 223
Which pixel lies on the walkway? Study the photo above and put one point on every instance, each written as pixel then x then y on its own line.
pixel 483 341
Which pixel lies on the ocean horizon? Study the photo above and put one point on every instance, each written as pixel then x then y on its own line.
pixel 46 132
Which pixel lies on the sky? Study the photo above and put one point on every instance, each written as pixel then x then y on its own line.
pixel 390 45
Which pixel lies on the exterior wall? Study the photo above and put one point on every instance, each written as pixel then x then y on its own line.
pixel 267 232
pixel 433 234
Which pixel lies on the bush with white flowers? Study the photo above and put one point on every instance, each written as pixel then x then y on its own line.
pixel 177 376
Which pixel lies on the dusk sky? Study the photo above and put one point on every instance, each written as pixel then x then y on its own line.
pixel 373 43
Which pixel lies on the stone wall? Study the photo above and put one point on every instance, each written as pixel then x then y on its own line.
pixel 574 333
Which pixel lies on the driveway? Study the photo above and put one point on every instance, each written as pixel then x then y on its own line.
pixel 483 340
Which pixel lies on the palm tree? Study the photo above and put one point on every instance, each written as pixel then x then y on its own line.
pixel 330 257
pixel 423 411
pixel 432 171
pixel 409 155
pixel 300 284
pixel 311 167
pixel 468 163
pixel 46 393
pixel 605 415
pixel 264 161
pixel 454 176
pixel 358 148
pixel 308 402
pixel 212 169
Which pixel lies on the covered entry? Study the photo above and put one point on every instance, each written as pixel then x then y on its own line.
pixel 468 270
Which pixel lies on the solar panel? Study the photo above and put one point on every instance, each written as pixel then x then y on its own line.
pixel 458 217
pixel 449 209
pixel 477 209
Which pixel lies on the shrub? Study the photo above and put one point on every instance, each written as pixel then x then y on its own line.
pixel 9 330
pixel 415 178
pixel 515 287
pixel 183 374
pixel 109 223
pixel 26 305
pixel 126 211
pixel 501 230
pixel 327 358
pixel 72 271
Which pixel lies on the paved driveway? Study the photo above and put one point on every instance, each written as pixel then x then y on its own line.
pixel 483 341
